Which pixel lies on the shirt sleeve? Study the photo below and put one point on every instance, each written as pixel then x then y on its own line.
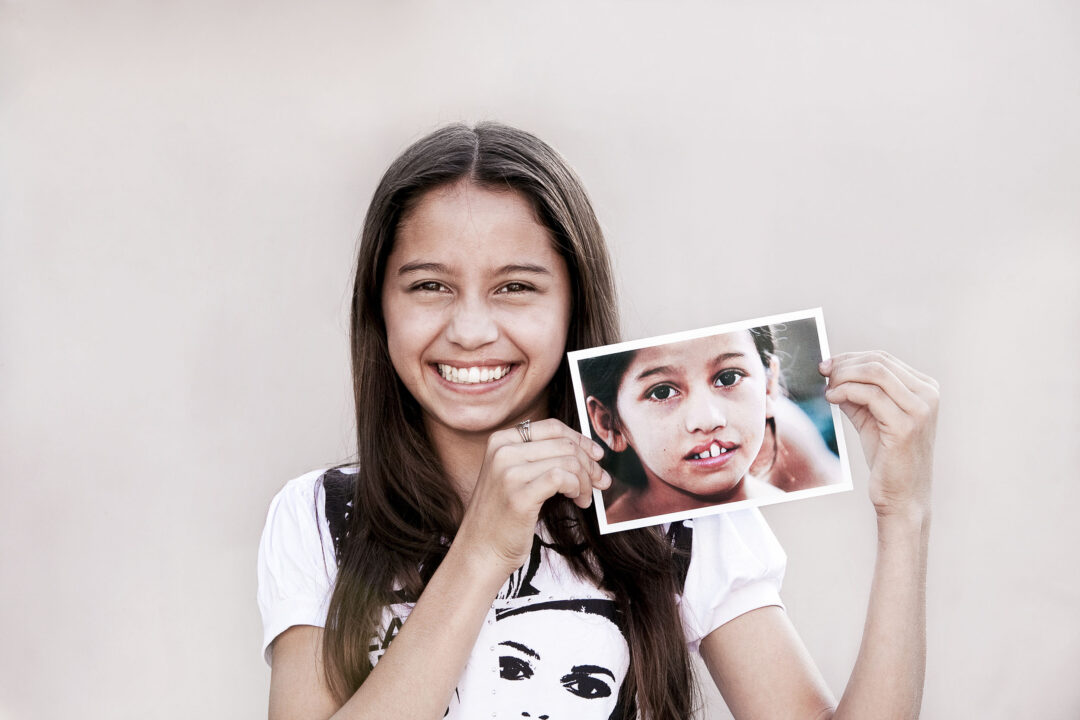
pixel 296 565
pixel 736 565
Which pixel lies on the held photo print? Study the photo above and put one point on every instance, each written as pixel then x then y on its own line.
pixel 710 420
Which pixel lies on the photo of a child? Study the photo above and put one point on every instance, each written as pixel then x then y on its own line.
pixel 702 421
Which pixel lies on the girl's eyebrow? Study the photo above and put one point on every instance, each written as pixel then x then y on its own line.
pixel 724 357
pixel 665 369
pixel 523 268
pixel 659 370
pixel 435 267
pixel 423 267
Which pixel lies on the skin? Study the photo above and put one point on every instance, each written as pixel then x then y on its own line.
pixel 757 660
pixel 673 402
pixel 572 683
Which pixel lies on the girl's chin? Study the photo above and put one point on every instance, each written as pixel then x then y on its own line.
pixel 713 490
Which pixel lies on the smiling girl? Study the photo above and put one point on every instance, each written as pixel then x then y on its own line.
pixel 389 588
pixel 693 415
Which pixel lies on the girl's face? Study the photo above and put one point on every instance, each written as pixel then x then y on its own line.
pixel 546 676
pixel 694 412
pixel 477 306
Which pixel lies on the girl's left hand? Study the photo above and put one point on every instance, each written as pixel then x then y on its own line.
pixel 894 409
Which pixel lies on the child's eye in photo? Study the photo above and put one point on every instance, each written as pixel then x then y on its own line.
pixel 728 378
pixel 661 392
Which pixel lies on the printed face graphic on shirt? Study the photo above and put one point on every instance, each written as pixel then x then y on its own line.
pixel 561 659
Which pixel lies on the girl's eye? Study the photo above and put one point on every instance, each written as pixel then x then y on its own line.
pixel 661 392
pixel 513 288
pixel 429 286
pixel 728 378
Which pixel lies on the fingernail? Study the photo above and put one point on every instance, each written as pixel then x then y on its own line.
pixel 824 365
pixel 597 451
pixel 606 479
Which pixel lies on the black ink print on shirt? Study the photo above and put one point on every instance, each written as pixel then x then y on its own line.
pixel 563 658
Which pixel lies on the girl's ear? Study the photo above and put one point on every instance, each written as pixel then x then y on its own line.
pixel 772 387
pixel 604 423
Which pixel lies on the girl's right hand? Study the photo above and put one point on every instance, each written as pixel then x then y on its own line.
pixel 515 480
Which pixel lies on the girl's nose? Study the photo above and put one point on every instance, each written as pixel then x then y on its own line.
pixel 704 412
pixel 471 325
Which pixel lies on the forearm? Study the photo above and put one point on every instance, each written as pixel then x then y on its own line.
pixel 416 677
pixel 887 681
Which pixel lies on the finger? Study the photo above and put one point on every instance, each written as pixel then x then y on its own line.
pixel 551 428
pixel 541 450
pixel 872 371
pixel 562 480
pixel 919 382
pixel 861 395
pixel 585 469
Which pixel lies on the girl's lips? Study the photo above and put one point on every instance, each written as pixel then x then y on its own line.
pixel 711 456
pixel 479 386
pixel 713 447
pixel 712 463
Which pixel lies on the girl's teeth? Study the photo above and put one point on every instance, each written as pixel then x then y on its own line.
pixel 714 451
pixel 472 375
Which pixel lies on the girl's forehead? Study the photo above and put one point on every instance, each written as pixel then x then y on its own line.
pixel 692 354
pixel 474 223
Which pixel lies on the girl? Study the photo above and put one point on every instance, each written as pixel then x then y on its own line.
pixel 381 585
pixel 693 415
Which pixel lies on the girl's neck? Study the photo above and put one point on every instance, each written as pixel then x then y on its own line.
pixel 461 455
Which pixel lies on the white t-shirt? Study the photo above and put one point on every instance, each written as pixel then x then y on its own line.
pixel 549 644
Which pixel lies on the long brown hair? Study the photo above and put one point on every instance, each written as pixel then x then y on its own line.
pixel 403 506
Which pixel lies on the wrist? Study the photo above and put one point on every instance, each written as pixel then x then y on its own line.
pixel 908 522
pixel 483 569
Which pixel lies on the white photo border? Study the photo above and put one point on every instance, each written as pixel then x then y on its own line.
pixel 579 396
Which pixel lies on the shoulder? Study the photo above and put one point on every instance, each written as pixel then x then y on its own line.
pixel 296 559
pixel 736 565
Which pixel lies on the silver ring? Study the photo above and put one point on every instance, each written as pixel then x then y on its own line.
pixel 523 429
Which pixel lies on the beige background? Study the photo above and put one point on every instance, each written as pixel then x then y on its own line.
pixel 182 185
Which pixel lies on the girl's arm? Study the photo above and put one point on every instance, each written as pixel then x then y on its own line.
pixel 759 662
pixel 416 677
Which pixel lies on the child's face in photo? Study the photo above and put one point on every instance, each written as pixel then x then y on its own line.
pixel 694 412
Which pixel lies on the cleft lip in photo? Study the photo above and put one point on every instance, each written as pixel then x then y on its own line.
pixel 711 450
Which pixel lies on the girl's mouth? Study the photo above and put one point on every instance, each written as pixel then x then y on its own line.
pixel 472 375
pixel 712 455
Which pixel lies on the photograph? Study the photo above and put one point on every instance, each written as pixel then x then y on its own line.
pixel 711 420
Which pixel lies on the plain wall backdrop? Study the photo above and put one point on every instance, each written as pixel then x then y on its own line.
pixel 182 185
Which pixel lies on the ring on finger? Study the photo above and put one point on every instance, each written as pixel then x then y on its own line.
pixel 523 430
